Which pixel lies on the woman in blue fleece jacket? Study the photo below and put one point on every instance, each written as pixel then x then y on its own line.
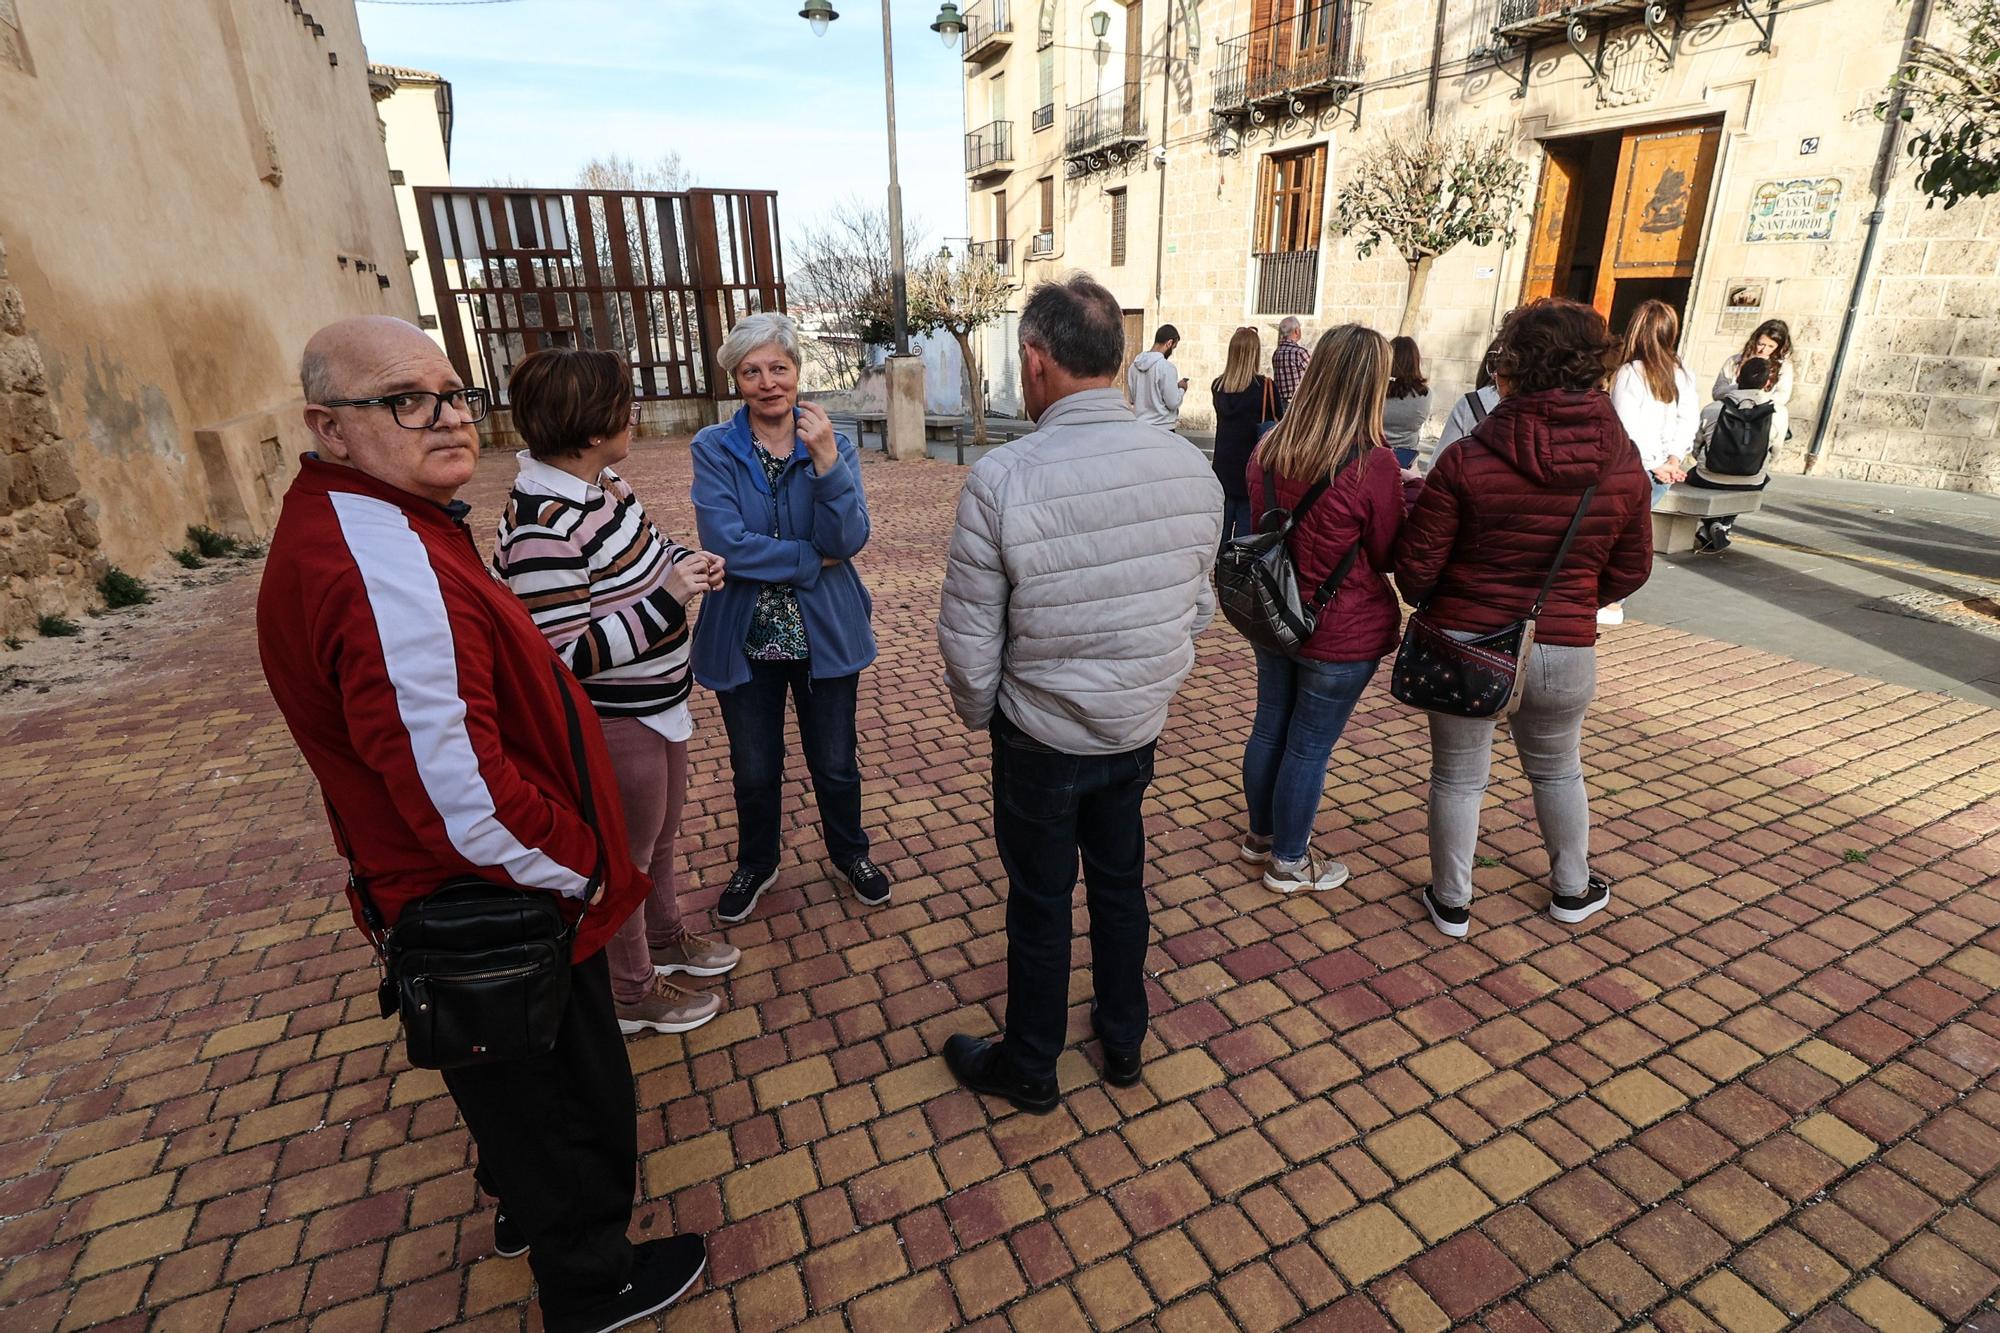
pixel 777 494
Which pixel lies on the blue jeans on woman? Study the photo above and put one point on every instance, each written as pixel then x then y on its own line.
pixel 1237 521
pixel 1302 707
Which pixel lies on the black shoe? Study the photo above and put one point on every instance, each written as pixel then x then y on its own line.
pixel 1596 895
pixel 1121 1068
pixel 745 888
pixel 862 875
pixel 508 1242
pixel 662 1271
pixel 983 1067
pixel 1450 921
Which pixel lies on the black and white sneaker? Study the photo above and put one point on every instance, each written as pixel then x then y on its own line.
pixel 662 1272
pixel 870 885
pixel 744 889
pixel 1595 897
pixel 508 1242
pixel 1452 921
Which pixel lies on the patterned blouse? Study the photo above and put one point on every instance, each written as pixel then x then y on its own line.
pixel 777 631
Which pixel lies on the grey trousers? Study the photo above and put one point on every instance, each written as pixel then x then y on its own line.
pixel 1548 733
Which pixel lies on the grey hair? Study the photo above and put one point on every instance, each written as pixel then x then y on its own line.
pixel 1078 323
pixel 316 377
pixel 1289 325
pixel 765 329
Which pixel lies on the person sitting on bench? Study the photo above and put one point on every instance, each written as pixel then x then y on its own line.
pixel 1733 445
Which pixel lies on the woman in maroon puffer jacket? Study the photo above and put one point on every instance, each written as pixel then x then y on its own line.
pixel 1474 554
pixel 1334 426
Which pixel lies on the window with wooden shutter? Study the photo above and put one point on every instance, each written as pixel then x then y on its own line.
pixel 1117 228
pixel 1290 194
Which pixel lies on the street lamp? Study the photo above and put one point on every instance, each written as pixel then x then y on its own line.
pixel 818 13
pixel 1100 22
pixel 949 25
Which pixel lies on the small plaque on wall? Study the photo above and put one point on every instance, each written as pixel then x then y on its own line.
pixel 1743 296
pixel 1802 209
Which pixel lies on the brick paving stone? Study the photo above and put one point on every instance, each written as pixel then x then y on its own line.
pixel 1765 1070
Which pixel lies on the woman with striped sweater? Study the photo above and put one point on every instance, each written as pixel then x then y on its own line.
pixel 611 594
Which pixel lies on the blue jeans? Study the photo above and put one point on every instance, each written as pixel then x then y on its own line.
pixel 754 716
pixel 1237 520
pixel 1302 707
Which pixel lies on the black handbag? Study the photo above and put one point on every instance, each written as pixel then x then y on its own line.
pixel 479 972
pixel 1480 677
pixel 1257 582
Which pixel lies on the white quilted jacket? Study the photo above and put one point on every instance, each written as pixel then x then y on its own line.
pixel 1079 576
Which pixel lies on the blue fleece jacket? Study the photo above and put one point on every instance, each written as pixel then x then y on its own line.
pixel 766 536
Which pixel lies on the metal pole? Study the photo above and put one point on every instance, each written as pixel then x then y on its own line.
pixel 1160 224
pixel 899 308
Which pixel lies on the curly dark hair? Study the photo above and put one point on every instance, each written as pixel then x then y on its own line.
pixel 1553 344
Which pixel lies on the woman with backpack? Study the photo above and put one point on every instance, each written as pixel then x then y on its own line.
pixel 1771 341
pixel 1656 401
pixel 1738 431
pixel 1331 434
pixel 1244 403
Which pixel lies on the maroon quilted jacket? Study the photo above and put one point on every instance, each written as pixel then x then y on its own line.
pixel 1365 501
pixel 1494 509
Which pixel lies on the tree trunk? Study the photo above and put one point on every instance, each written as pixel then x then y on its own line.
pixel 975 401
pixel 1413 297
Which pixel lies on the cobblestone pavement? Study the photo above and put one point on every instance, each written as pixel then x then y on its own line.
pixel 1763 1090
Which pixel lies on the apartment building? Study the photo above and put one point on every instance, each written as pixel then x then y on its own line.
pixel 1717 154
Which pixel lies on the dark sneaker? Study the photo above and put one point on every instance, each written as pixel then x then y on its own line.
pixel 508 1242
pixel 983 1067
pixel 870 885
pixel 1121 1068
pixel 744 889
pixel 1595 897
pixel 662 1272
pixel 1450 921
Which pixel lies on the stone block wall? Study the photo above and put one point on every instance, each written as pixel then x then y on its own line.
pixel 49 559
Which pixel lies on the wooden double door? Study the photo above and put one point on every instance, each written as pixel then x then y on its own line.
pixel 1618 216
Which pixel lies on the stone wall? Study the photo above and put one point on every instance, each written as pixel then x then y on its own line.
pixel 49 562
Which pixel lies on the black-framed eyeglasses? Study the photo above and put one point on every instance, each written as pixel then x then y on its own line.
pixel 420 409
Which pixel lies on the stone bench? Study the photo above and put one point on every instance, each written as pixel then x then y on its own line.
pixel 935 428
pixel 1678 517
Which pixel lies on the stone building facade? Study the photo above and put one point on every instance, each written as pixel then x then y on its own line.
pixel 191 190
pixel 1721 158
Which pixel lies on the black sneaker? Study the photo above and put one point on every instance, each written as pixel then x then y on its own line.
pixel 745 888
pixel 870 885
pixel 1452 921
pixel 1595 897
pixel 1121 1068
pixel 508 1242
pixel 662 1271
pixel 983 1067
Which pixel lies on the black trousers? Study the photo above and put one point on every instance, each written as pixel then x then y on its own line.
pixel 754 716
pixel 1049 808
pixel 558 1141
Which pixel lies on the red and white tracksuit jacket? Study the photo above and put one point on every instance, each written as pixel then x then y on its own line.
pixel 426 702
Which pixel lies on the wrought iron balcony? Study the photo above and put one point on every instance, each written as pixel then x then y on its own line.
pixel 1043 243
pixel 989 28
pixel 1111 123
pixel 989 148
pixel 1319 51
pixel 998 253
pixel 1045 116
pixel 1518 20
pixel 1287 282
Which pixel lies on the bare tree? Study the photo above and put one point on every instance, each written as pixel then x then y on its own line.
pixel 959 295
pixel 616 172
pixel 1426 195
pixel 839 286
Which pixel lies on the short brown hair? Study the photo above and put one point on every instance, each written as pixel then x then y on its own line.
pixel 563 397
pixel 1552 344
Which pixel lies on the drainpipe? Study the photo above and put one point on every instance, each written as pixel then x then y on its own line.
pixel 1885 170
pixel 1437 58
pixel 1160 226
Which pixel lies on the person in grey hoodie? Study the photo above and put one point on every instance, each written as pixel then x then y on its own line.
pixel 1156 392
pixel 1077 582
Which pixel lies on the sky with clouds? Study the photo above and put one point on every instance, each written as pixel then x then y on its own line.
pixel 741 89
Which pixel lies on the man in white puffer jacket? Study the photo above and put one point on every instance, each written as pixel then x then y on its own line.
pixel 1078 580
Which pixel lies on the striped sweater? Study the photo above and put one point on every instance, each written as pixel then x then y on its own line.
pixel 592 570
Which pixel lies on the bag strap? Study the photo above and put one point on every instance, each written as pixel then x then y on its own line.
pixel 1268 412
pixel 1478 406
pixel 1331 584
pixel 1562 552
pixel 1306 501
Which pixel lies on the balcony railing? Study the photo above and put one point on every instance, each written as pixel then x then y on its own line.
pixel 1045 116
pixel 1314 52
pixel 1114 119
pixel 1516 19
pixel 987 24
pixel 989 148
pixel 998 253
pixel 1043 243
pixel 1287 282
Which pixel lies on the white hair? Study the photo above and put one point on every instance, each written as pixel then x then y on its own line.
pixel 1289 325
pixel 766 329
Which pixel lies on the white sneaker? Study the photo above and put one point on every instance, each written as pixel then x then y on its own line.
pixel 1613 614
pixel 1310 875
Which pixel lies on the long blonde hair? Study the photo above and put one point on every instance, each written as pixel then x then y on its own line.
pixel 1649 340
pixel 1338 408
pixel 1239 372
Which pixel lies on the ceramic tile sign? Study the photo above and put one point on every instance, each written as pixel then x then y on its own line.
pixel 1802 209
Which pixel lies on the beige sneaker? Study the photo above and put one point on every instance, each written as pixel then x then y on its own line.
pixel 696 955
pixel 668 1009
pixel 1310 875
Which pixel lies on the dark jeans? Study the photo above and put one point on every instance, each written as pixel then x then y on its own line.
pixel 1048 808
pixel 1302 707
pixel 754 716
pixel 558 1143
pixel 1237 520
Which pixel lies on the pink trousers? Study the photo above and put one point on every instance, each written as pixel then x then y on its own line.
pixel 652 784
